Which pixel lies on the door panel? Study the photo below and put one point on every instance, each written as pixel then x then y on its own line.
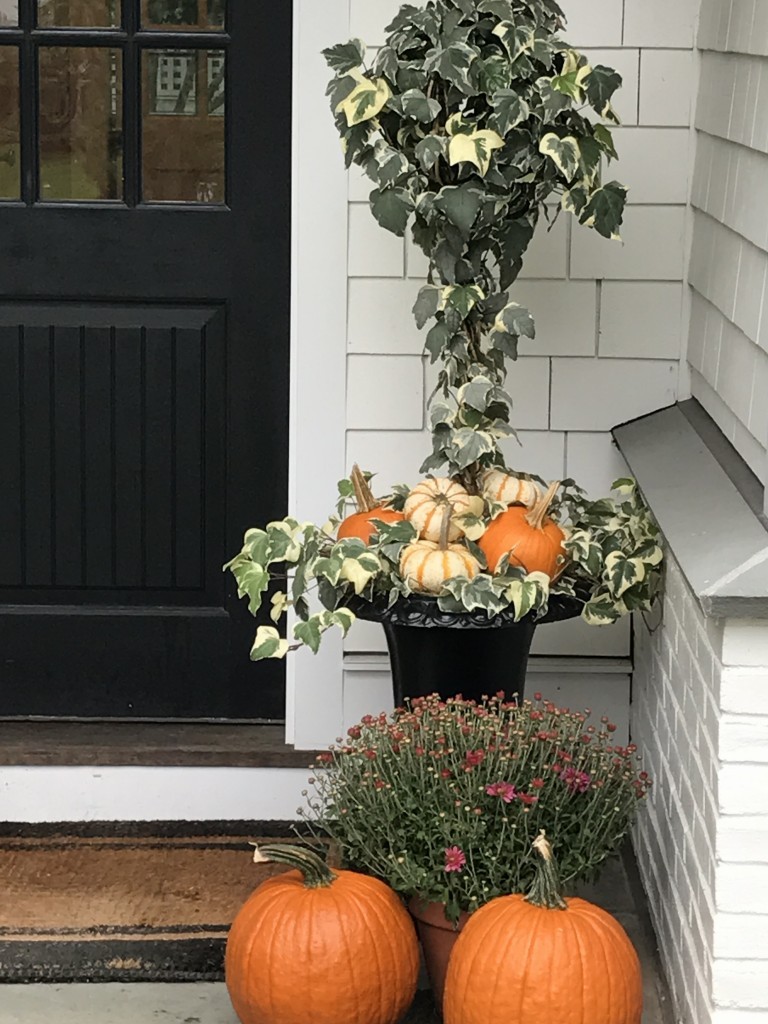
pixel 144 297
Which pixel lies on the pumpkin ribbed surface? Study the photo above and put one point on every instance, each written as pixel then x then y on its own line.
pixel 535 549
pixel 361 525
pixel 515 963
pixel 345 952
pixel 427 566
pixel 506 489
pixel 427 502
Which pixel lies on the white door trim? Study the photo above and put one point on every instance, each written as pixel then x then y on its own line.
pixel 318 341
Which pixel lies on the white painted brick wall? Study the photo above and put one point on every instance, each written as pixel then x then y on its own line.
pixel 728 344
pixel 610 316
pixel 700 719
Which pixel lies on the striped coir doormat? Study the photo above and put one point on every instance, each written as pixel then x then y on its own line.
pixel 124 902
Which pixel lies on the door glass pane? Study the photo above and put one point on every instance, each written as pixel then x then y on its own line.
pixel 184 125
pixel 9 13
pixel 185 14
pixel 81 123
pixel 78 13
pixel 9 123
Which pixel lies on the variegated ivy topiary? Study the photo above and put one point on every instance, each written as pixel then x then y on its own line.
pixel 472 123
pixel 470 120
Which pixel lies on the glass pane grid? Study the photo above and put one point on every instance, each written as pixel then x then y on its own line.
pixel 79 152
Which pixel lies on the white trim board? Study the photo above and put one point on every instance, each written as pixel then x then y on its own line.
pixel 150 794
pixel 318 341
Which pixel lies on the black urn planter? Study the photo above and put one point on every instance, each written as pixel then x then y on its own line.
pixel 432 651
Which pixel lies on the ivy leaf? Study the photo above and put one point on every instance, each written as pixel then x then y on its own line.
pixel 461 205
pixel 568 84
pixel 476 149
pixel 515 319
pixel 427 304
pixel 500 8
pixel 359 572
pixel 564 153
pixel 605 210
pixel 268 644
pixel 621 572
pixel 279 603
pixel 510 110
pixel 418 105
pixel 429 150
pixel 604 138
pixel 387 164
pixel 462 298
pixel 343 618
pixel 600 85
pixel 366 100
pixel 600 611
pixel 392 207
pixel 346 56
pixel 437 340
pixel 506 343
pixel 468 445
pixel 475 393
pixel 495 73
pixel 452 64
pixel 310 632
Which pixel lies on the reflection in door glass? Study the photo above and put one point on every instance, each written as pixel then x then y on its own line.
pixel 81 124
pixel 185 14
pixel 9 13
pixel 9 123
pixel 184 125
pixel 78 13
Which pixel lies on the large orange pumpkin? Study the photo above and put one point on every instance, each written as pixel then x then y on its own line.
pixel 322 945
pixel 361 523
pixel 532 540
pixel 542 959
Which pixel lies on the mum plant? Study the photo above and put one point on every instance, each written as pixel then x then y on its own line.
pixel 474 122
pixel 443 799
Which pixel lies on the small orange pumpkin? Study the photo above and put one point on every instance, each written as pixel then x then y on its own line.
pixel 321 945
pixel 361 523
pixel 532 540
pixel 540 959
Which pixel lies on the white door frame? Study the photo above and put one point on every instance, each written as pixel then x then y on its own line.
pixel 318 342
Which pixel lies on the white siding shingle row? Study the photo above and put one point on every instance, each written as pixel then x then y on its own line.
pixel 728 341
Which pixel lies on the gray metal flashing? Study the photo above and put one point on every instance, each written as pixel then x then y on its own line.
pixel 719 542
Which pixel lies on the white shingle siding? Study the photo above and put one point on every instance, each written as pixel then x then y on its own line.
pixel 728 345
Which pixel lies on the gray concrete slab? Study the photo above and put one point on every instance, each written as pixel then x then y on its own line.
pixel 115 1004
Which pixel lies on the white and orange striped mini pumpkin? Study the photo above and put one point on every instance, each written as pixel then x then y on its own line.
pixel 427 502
pixel 426 566
pixel 506 489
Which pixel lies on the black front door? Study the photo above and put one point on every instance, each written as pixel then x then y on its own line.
pixel 144 298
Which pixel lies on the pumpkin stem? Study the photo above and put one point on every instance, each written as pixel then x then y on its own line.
pixel 317 874
pixel 445 526
pixel 537 515
pixel 363 493
pixel 546 890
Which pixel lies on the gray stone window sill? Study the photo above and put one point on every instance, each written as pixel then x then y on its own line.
pixel 706 503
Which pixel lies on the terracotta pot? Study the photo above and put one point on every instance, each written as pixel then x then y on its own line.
pixel 438 936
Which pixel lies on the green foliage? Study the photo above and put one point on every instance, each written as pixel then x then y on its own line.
pixel 474 116
pixel 614 562
pixel 481 782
